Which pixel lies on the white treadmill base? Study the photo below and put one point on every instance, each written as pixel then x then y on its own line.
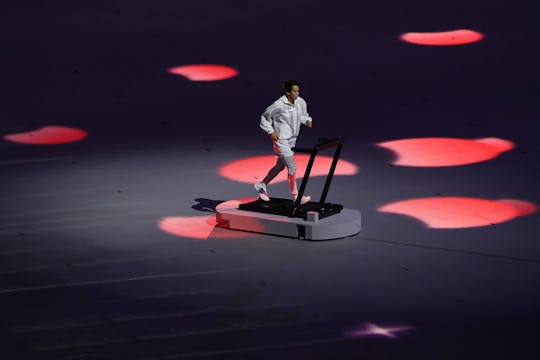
pixel 346 223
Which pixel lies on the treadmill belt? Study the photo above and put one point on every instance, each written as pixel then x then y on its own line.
pixel 285 207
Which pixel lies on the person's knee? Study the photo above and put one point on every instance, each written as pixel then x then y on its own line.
pixel 291 168
pixel 291 164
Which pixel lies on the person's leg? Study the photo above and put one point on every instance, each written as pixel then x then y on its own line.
pixel 273 172
pixel 291 179
pixel 291 173
pixel 285 158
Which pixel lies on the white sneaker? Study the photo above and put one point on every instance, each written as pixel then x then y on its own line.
pixel 304 200
pixel 261 189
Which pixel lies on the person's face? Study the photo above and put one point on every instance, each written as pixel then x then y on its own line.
pixel 295 92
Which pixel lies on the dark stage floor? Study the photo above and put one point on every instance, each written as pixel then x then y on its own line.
pixel 108 248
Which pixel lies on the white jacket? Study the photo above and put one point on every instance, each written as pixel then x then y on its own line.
pixel 285 117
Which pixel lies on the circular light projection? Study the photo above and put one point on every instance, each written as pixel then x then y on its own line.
pixel 204 72
pixel 201 227
pixel 442 38
pixel 254 169
pixel 522 207
pixel 195 227
pixel 48 135
pixel 439 152
pixel 460 212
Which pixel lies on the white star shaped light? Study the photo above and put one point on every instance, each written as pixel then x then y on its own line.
pixel 370 329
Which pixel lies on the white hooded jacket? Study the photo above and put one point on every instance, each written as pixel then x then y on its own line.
pixel 285 118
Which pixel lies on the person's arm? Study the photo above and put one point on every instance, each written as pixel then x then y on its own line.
pixel 267 123
pixel 304 116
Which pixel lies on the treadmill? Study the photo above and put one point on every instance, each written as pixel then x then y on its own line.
pixel 293 209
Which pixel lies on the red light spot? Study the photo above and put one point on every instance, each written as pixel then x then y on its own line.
pixel 196 227
pixel 201 227
pixel 460 212
pixel 48 135
pixel 204 72
pixel 435 152
pixel 252 170
pixel 523 207
pixel 443 38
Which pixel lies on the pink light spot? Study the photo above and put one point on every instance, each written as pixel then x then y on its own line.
pixel 460 212
pixel 369 329
pixel 47 135
pixel 522 207
pixel 442 38
pixel 204 72
pixel 196 227
pixel 201 227
pixel 253 169
pixel 438 152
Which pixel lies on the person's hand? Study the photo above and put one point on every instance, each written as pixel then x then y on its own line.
pixel 274 136
pixel 309 124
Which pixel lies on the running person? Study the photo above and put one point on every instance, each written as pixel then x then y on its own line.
pixel 281 121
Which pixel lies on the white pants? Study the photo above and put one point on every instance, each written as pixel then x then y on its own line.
pixel 283 147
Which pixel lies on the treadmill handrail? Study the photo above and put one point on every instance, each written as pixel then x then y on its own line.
pixel 323 144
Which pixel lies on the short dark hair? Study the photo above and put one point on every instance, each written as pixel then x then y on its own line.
pixel 288 85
